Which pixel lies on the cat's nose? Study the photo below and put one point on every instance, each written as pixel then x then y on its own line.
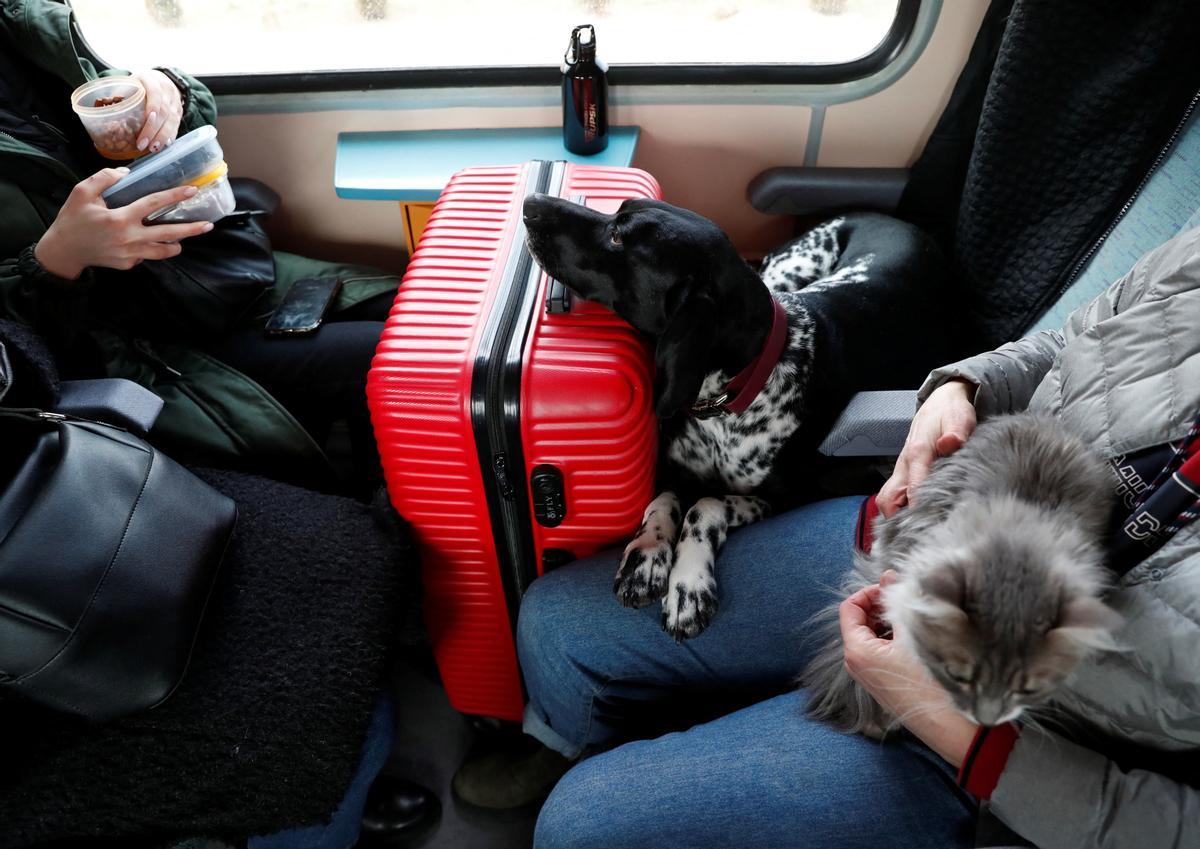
pixel 988 711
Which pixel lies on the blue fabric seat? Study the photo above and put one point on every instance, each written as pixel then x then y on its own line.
pixel 1168 204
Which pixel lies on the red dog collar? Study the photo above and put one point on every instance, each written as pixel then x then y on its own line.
pixel 744 388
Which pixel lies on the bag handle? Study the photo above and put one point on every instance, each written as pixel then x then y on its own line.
pixel 559 298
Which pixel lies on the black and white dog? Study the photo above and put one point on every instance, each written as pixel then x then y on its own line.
pixel 857 303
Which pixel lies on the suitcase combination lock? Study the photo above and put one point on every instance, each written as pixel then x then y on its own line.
pixel 549 495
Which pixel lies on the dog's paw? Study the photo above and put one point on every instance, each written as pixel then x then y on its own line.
pixel 642 577
pixel 745 510
pixel 689 608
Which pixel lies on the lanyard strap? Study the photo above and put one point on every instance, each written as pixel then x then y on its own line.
pixel 1169 504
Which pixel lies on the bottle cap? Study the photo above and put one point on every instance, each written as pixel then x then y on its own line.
pixel 580 49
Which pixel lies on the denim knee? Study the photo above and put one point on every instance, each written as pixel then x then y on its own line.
pixel 553 655
pixel 575 815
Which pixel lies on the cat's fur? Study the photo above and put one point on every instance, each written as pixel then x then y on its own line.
pixel 1000 562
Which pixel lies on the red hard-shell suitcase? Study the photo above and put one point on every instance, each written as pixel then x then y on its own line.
pixel 515 422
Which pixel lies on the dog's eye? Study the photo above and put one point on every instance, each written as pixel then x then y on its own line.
pixel 615 238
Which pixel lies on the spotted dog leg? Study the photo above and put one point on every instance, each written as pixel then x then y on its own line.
pixel 804 260
pixel 642 576
pixel 691 602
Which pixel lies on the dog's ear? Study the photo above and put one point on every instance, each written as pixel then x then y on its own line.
pixel 680 356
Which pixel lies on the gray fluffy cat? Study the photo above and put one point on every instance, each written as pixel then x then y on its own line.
pixel 1000 562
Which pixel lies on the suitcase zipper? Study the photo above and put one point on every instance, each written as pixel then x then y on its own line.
pixel 496 403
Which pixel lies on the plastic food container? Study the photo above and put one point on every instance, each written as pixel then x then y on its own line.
pixel 113 126
pixel 212 201
pixel 195 159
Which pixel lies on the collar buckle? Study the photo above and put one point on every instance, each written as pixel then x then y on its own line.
pixel 710 408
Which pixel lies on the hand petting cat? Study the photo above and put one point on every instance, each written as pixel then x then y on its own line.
pixel 894 677
pixel 940 427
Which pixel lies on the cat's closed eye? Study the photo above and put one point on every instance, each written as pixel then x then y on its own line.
pixel 959 678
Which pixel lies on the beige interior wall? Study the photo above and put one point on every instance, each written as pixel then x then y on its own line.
pixel 890 128
pixel 703 154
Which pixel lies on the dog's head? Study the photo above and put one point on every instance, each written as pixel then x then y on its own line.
pixel 672 274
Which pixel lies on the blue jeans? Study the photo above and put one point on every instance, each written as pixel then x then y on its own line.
pixel 751 769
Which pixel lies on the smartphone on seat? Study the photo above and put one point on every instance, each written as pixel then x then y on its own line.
pixel 303 306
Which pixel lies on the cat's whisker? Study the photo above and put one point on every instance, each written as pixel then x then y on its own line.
pixel 1050 719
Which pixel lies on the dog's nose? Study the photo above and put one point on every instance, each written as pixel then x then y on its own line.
pixel 534 206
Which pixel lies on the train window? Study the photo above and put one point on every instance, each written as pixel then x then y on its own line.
pixel 222 37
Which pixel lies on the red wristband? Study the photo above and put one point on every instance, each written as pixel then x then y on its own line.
pixel 986 758
pixel 864 533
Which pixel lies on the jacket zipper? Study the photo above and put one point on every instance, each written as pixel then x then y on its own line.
pixel 24 149
pixel 1078 267
pixel 160 365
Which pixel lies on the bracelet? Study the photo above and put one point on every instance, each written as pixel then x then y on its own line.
pixel 185 90
pixel 987 757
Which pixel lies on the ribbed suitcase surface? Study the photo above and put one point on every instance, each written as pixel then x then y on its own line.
pixel 514 436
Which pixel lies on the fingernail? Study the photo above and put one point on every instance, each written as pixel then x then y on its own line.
pixel 189 191
pixel 208 227
pixel 155 147
pixel 152 116
pixel 142 143
pixel 123 170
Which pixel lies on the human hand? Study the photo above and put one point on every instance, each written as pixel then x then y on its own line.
pixel 164 111
pixel 940 427
pixel 87 233
pixel 897 680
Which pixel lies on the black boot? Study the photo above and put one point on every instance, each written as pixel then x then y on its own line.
pixel 521 773
pixel 396 807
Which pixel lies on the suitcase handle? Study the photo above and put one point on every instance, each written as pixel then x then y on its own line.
pixel 558 297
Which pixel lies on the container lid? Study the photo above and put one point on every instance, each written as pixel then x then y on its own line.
pixel 215 174
pixel 144 174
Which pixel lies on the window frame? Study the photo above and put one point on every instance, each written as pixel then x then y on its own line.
pixel 888 50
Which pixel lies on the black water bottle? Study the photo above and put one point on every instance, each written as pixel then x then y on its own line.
pixel 585 94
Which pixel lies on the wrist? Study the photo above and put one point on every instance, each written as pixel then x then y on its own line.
pixel 181 85
pixel 947 732
pixel 964 387
pixel 53 259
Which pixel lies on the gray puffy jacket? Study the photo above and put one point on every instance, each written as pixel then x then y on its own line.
pixel 1124 373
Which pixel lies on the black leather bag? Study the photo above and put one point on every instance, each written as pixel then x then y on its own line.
pixel 108 554
pixel 217 278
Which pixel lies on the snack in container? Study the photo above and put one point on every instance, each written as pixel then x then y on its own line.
pixel 113 111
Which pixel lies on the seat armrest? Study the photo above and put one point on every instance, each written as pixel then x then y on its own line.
pixel 874 424
pixel 113 400
pixel 805 191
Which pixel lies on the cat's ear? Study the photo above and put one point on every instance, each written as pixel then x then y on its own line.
pixel 1087 622
pixel 947 581
pixel 938 606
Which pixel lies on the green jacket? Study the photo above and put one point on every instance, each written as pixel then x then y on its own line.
pixel 213 414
